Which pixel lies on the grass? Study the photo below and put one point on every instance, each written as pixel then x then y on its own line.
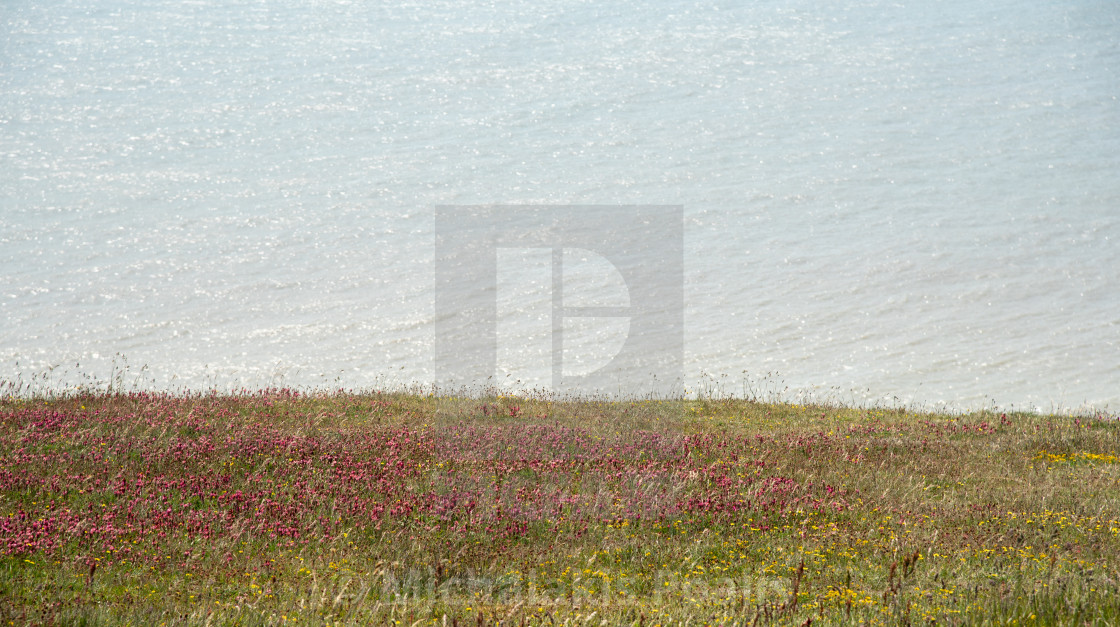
pixel 413 509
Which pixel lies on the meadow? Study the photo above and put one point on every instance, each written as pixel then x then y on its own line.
pixel 279 507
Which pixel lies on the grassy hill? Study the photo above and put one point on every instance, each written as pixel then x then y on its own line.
pixel 281 508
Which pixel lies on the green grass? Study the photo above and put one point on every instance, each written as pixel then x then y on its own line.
pixel 278 508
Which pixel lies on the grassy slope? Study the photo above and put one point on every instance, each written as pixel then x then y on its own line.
pixel 276 508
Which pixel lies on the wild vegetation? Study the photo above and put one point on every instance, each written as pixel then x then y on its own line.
pixel 417 509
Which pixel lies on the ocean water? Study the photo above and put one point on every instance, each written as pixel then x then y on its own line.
pixel 885 202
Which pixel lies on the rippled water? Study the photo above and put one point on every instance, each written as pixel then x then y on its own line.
pixel 883 200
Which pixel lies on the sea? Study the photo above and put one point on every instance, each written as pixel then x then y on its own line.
pixel 885 203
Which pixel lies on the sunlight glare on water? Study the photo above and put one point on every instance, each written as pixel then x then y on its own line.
pixel 884 201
